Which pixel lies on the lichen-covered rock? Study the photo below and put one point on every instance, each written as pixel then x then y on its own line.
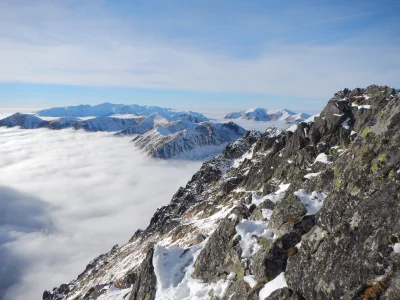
pixel 349 253
pixel 289 207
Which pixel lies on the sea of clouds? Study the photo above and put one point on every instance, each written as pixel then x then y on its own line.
pixel 68 196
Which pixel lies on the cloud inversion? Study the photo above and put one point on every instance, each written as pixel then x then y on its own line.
pixel 73 196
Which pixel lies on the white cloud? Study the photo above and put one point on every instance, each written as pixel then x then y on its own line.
pixel 65 46
pixel 93 189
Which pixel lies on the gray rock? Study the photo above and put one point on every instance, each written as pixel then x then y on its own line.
pixel 237 291
pixel 219 258
pixel 284 294
pixel 146 282
pixel 289 207
pixel 270 262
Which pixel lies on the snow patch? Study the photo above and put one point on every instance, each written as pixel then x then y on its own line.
pixel 114 293
pixel 361 106
pixel 279 194
pixel 250 280
pixel 292 128
pixel 323 158
pixel 174 268
pixel 248 230
pixel 345 124
pixel 311 175
pixel 396 248
pixel 277 283
pixel 313 202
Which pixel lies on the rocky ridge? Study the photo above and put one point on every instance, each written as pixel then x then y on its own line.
pixel 307 213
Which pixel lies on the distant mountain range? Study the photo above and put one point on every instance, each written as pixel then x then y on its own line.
pixel 262 114
pixel 109 109
pixel 163 134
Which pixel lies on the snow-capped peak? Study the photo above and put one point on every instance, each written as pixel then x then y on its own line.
pixel 262 114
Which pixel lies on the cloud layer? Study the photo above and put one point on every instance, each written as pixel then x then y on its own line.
pixel 83 193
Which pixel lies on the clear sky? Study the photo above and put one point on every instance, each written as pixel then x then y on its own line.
pixel 221 54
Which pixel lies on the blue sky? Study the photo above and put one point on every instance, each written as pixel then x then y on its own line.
pixel 194 54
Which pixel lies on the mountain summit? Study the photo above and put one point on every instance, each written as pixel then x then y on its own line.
pixel 307 213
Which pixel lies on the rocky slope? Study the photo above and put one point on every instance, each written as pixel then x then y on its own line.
pixel 186 140
pixel 308 213
pixel 262 114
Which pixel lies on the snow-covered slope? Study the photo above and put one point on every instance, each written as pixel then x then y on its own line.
pixel 187 140
pixel 262 114
pixel 28 121
pixel 25 121
pixel 107 109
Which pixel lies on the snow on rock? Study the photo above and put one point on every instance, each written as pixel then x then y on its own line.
pixel 311 119
pixel 279 194
pixel 345 124
pixel 275 284
pixel 311 175
pixel 323 158
pixel 361 106
pixel 267 213
pixel 174 268
pixel 313 202
pixel 247 230
pixel 298 245
pixel 292 128
pixel 114 293
pixel 250 280
pixel 208 225
pixel 170 265
pixel 246 155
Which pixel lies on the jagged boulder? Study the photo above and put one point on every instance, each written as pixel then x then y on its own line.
pixel 237 291
pixel 284 294
pixel 221 254
pixel 270 261
pixel 146 281
pixel 289 207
